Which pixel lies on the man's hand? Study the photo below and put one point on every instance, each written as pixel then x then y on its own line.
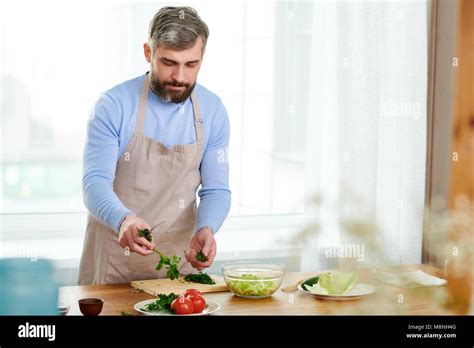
pixel 128 235
pixel 202 240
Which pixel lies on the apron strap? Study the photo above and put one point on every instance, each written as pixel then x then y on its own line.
pixel 142 105
pixel 197 119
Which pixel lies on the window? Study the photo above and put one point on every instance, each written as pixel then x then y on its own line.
pixel 51 80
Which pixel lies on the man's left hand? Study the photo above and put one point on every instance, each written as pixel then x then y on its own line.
pixel 202 240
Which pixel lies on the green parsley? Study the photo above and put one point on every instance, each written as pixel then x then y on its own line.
pixel 200 277
pixel 171 264
pixel 162 304
pixel 201 257
pixel 145 233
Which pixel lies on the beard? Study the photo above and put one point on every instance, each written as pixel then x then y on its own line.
pixel 162 90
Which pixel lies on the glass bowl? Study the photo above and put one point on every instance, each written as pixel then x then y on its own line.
pixel 253 279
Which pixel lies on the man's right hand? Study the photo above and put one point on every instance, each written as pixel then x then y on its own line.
pixel 129 237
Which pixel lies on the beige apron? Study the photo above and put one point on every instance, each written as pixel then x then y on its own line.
pixel 159 184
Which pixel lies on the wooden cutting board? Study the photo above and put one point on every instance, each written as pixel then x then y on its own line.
pixel 178 286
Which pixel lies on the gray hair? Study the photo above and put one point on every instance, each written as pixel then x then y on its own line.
pixel 177 28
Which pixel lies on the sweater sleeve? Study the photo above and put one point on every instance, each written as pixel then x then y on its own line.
pixel 215 195
pixel 99 163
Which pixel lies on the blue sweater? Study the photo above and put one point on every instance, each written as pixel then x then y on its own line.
pixel 111 127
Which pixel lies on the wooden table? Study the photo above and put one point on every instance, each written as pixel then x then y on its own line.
pixel 389 300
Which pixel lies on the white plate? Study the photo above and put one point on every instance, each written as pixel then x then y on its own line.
pixel 360 290
pixel 211 308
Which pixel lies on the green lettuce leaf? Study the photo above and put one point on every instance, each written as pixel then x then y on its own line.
pixel 334 283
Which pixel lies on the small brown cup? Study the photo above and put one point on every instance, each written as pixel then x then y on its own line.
pixel 91 306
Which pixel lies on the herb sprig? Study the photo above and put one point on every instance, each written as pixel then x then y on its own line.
pixel 170 263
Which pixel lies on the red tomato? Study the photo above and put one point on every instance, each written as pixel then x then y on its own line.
pixel 192 291
pixel 198 301
pixel 182 305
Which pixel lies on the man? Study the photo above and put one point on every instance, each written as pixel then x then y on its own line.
pixel 151 142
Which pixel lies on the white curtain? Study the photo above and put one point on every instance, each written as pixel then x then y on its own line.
pixel 367 128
